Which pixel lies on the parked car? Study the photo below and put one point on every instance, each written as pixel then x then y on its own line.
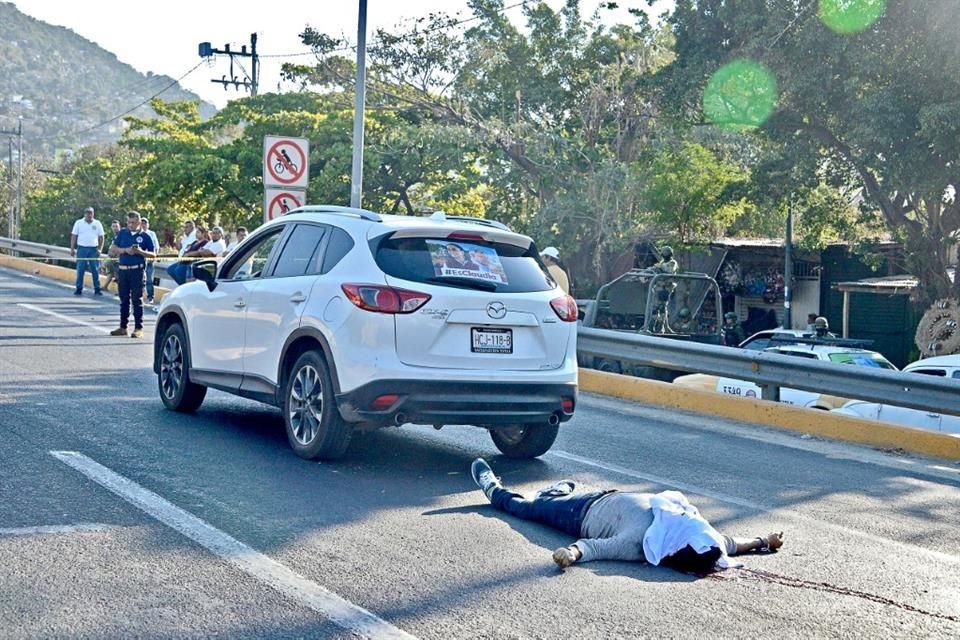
pixel 810 348
pixel 772 337
pixel 940 366
pixel 346 319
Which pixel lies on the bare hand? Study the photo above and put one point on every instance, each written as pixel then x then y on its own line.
pixel 774 541
pixel 73 252
pixel 564 557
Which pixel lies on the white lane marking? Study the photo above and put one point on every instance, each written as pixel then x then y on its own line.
pixel 308 593
pixel 57 529
pixel 754 506
pixel 62 317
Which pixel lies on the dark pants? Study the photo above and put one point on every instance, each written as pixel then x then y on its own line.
pixel 88 258
pixel 130 285
pixel 565 513
pixel 150 280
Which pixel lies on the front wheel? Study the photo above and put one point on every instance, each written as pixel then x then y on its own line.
pixel 315 428
pixel 173 381
pixel 526 440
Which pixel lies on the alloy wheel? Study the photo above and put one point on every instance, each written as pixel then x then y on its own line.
pixel 171 367
pixel 306 404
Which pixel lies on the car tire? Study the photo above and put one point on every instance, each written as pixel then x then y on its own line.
pixel 173 380
pixel 526 440
pixel 314 426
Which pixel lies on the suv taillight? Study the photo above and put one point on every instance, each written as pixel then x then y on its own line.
pixel 383 299
pixel 565 308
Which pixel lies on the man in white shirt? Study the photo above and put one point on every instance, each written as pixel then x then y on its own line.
pixel 189 236
pixel 215 247
pixel 86 241
pixel 145 227
pixel 237 239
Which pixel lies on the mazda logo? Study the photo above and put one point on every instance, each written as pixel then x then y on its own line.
pixel 496 310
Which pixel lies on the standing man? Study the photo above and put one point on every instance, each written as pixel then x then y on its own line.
pixel 86 242
pixel 189 236
pixel 551 257
pixel 733 333
pixel 132 248
pixel 145 226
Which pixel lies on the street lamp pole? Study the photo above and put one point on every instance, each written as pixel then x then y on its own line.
pixel 356 180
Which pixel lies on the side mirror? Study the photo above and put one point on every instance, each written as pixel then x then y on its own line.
pixel 206 271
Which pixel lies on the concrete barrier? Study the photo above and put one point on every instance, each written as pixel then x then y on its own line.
pixel 772 414
pixel 62 274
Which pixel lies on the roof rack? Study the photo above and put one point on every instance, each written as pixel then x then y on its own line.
pixel 440 215
pixel 345 211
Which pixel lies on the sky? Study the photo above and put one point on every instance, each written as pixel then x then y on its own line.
pixel 163 37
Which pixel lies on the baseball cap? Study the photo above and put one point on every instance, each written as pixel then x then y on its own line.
pixel 551 252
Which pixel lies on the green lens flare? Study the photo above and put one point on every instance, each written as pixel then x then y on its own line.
pixel 740 95
pixel 850 16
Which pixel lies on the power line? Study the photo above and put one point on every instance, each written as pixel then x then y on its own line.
pixel 353 47
pixel 130 110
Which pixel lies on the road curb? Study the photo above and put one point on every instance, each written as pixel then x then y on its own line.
pixel 62 274
pixel 771 414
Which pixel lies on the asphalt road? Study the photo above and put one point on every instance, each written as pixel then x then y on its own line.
pixel 121 519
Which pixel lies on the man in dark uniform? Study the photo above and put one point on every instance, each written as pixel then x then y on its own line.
pixel 733 333
pixel 132 247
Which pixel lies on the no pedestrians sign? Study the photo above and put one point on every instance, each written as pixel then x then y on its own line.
pixel 285 162
pixel 279 202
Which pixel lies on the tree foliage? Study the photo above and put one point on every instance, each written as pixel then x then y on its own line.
pixel 878 109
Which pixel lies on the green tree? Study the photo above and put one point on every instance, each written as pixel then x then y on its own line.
pixel 878 109
pixel 694 194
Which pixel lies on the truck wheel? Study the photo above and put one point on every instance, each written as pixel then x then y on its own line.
pixel 315 428
pixel 524 441
pixel 173 381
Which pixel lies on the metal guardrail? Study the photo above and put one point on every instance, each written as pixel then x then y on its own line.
pixel 772 371
pixel 59 253
pixel 769 370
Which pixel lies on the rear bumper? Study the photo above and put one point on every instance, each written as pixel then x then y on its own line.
pixel 476 403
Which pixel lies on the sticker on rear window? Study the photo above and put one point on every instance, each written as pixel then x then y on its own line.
pixel 465 260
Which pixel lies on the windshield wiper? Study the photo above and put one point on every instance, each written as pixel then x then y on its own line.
pixel 469 283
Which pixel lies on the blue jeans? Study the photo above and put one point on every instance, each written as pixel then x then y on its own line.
pixel 180 271
pixel 565 513
pixel 150 279
pixel 88 258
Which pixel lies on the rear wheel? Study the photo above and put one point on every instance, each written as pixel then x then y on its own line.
pixel 525 440
pixel 315 428
pixel 173 381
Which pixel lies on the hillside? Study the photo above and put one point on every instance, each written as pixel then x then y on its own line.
pixel 65 85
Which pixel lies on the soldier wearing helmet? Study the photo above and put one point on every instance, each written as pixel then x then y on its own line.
pixel 822 327
pixel 733 333
pixel 684 323
pixel 667 263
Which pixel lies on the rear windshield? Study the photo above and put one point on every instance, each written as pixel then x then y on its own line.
pixel 862 359
pixel 469 264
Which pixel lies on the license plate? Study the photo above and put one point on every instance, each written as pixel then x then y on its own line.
pixel 491 340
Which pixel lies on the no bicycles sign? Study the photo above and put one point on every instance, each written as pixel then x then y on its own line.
pixel 285 162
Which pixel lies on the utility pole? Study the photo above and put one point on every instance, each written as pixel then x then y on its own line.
pixel 356 180
pixel 16 209
pixel 788 270
pixel 251 81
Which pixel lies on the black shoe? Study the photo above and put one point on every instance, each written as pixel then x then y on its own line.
pixel 484 477
pixel 78 292
pixel 98 292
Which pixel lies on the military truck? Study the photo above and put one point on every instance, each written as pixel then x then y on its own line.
pixel 677 306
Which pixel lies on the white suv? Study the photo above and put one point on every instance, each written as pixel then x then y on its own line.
pixel 347 319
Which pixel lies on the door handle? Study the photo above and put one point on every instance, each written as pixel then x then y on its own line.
pixel 239 304
pixel 297 298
